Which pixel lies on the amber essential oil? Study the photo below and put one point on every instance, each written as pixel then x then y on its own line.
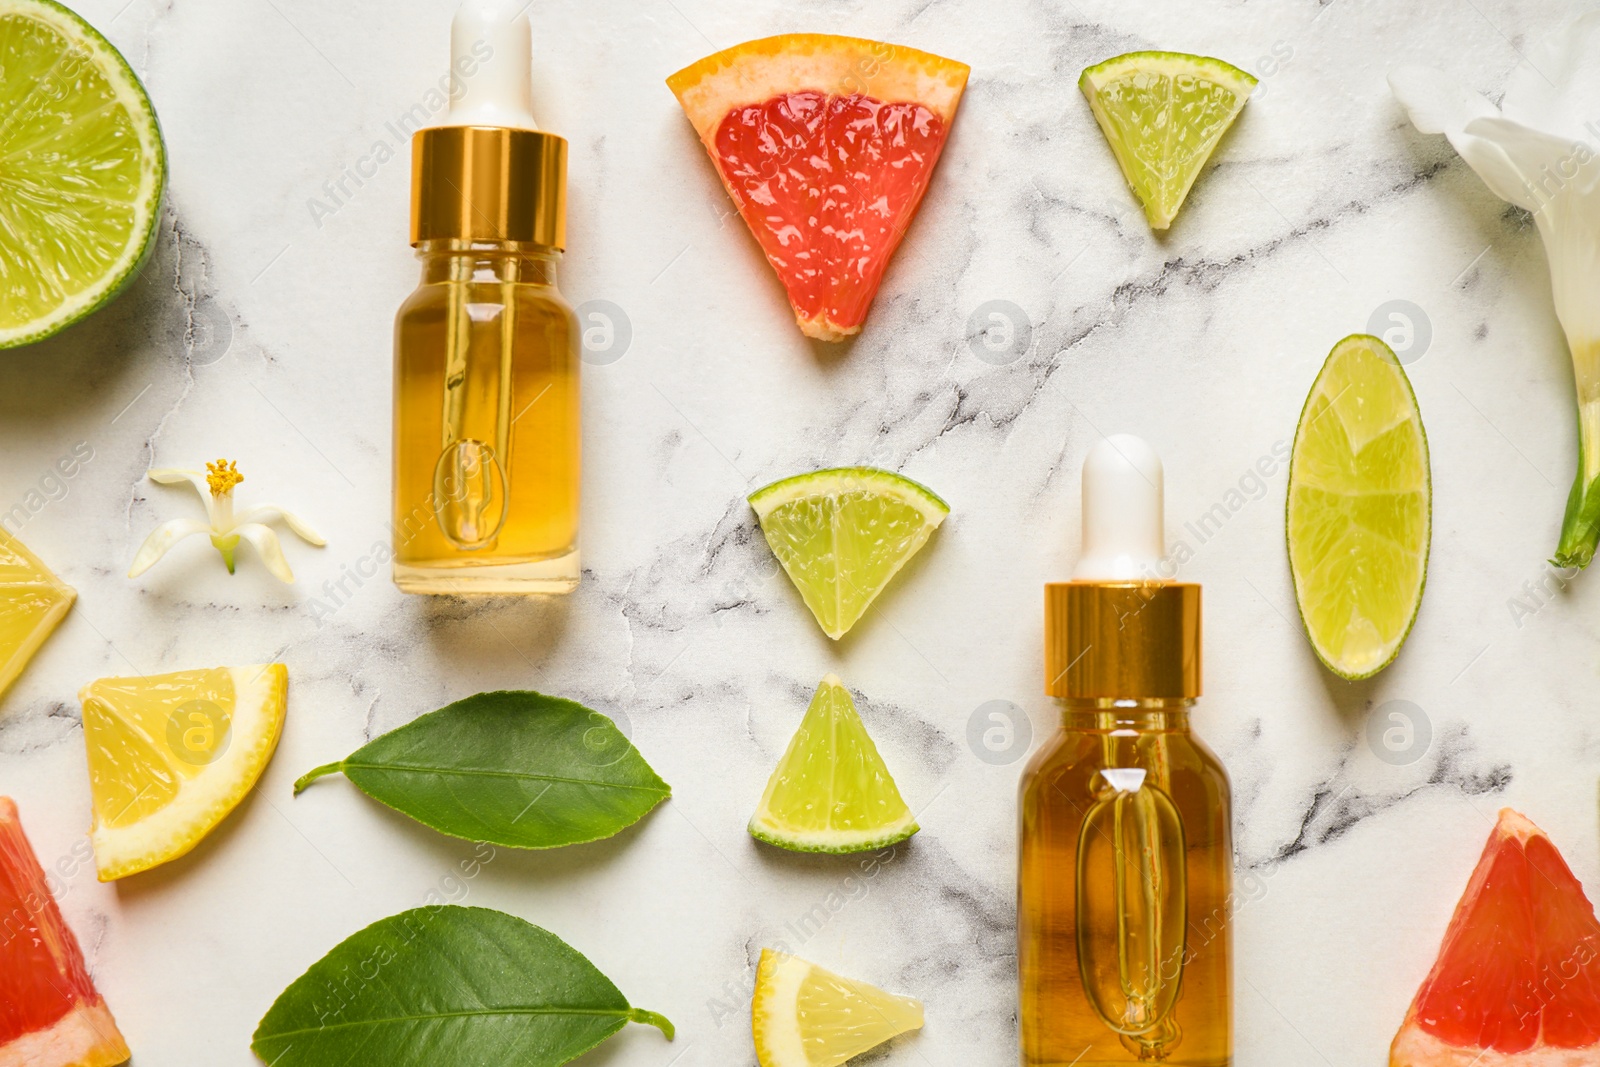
pixel 1125 840
pixel 487 428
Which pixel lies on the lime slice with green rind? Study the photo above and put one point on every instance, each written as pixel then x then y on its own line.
pixel 842 534
pixel 82 170
pixel 1163 113
pixel 1360 509
pixel 831 791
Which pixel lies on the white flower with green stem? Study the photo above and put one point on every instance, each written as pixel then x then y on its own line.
pixel 1540 150
pixel 225 526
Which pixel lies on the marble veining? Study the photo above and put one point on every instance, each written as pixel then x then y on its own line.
pixel 260 331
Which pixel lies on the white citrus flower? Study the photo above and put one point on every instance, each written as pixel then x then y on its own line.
pixel 1540 150
pixel 215 486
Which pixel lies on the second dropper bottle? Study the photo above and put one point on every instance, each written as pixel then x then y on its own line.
pixel 1125 861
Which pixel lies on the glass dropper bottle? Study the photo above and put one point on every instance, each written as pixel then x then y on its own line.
pixel 486 414
pixel 1124 940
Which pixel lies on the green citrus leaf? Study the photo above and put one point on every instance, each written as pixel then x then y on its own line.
pixel 446 986
pixel 513 768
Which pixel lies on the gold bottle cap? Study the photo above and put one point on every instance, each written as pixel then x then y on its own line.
pixel 1122 640
pixel 489 183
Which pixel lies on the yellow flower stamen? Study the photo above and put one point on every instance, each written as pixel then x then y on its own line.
pixel 222 476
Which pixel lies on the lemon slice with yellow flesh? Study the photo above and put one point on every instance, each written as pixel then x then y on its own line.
pixel 32 602
pixel 1360 509
pixel 805 1016
pixel 170 755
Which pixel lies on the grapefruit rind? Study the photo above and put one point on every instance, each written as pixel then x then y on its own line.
pixel 1415 1047
pixel 793 62
pixel 204 800
pixel 86 1036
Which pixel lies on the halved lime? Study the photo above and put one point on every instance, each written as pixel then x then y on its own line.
pixel 82 169
pixel 842 534
pixel 1360 509
pixel 831 791
pixel 1163 113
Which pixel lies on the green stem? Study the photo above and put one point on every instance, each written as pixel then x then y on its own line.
pixel 312 775
pixel 1580 529
pixel 660 1022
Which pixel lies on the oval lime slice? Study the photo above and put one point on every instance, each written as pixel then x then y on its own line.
pixel 1360 509
pixel 842 534
pixel 1163 113
pixel 82 169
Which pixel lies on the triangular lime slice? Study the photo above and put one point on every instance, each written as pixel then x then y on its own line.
pixel 1360 509
pixel 82 169
pixel 1163 113
pixel 831 791
pixel 842 534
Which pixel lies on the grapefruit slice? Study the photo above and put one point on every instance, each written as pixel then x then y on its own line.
pixel 1517 981
pixel 826 145
pixel 51 1015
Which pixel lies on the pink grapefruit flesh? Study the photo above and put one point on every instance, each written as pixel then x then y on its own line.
pixel 51 1015
pixel 826 145
pixel 1517 981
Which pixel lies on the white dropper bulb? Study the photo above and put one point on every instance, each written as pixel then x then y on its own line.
pixel 1124 533
pixel 492 38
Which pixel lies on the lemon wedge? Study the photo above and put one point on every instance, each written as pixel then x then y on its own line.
pixel 32 602
pixel 804 1016
pixel 170 755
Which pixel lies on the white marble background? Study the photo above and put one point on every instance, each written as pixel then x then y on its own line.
pixel 261 335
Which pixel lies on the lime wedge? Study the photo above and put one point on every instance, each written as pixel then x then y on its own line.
pixel 1360 509
pixel 831 791
pixel 842 534
pixel 1163 113
pixel 82 169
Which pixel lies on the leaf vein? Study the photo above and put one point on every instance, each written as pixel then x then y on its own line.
pixel 622 1013
pixel 466 772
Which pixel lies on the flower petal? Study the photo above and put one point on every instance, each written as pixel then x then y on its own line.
pixel 161 539
pixel 174 475
pixel 1436 102
pixel 1560 78
pixel 272 513
pixel 266 544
